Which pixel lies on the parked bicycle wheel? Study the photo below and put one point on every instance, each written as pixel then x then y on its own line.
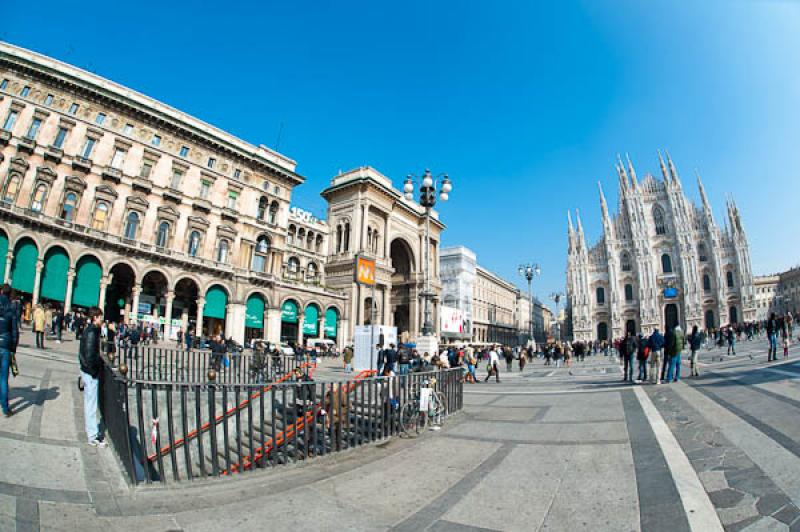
pixel 410 419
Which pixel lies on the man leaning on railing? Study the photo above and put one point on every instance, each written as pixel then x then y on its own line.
pixel 91 367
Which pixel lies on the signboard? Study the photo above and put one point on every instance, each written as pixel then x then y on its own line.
pixel 368 336
pixel 365 271
pixel 452 320
pixel 671 292
pixel 145 308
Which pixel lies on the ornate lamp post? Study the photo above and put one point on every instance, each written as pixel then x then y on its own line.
pixel 427 198
pixel 528 271
pixel 556 297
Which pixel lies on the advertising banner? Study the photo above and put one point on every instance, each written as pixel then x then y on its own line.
pixel 452 320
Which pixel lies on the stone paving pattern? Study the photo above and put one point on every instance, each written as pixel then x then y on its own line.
pixel 547 449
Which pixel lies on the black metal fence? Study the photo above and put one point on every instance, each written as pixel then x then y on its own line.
pixel 165 432
pixel 156 364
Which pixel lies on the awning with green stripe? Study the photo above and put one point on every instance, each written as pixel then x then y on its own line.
pixel 23 266
pixel 310 323
pixel 54 275
pixel 216 301
pixel 254 313
pixel 289 312
pixel 86 290
pixel 331 322
pixel 3 253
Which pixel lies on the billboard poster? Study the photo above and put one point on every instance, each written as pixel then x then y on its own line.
pixel 452 320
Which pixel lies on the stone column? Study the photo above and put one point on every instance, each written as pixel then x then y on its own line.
pixel 132 315
pixel 364 226
pixel 101 301
pixel 68 294
pixel 321 326
pixel 235 315
pixel 201 302
pixel 301 317
pixel 265 328
pixel 272 324
pixel 37 281
pixel 7 271
pixel 168 314
pixel 386 239
pixel 342 333
pixel 386 318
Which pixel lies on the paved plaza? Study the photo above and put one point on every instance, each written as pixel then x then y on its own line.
pixel 546 449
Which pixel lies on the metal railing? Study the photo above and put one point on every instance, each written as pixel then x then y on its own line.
pixel 173 431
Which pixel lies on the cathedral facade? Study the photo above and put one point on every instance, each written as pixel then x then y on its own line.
pixel 661 260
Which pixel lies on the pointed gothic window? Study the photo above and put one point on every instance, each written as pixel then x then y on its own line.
pixel 666 263
pixel 601 295
pixel 625 261
pixel 701 252
pixel 628 292
pixel 659 221
pixel 706 283
pixel 729 279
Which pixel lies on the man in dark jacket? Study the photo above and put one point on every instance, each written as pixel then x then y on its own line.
pixel 91 370
pixel 628 349
pixel 9 336
pixel 656 344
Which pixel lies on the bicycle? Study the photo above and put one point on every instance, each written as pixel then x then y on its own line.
pixel 412 411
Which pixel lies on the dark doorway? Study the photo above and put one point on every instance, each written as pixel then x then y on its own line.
pixel 734 317
pixel 670 316
pixel 118 293
pixel 710 319
pixel 630 327
pixel 402 283
pixel 602 331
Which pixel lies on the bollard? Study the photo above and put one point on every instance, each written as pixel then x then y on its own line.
pixel 212 374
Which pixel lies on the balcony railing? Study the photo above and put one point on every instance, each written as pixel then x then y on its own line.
pixel 142 183
pixel 112 174
pixel 5 136
pixel 53 154
pixel 26 144
pixel 201 205
pixel 82 164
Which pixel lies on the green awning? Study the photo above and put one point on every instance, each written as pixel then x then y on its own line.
pixel 289 312
pixel 54 276
pixel 216 301
pixel 331 322
pixel 3 253
pixel 86 290
pixel 310 323
pixel 23 266
pixel 254 313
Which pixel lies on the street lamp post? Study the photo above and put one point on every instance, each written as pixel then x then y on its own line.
pixel 528 271
pixel 556 298
pixel 427 198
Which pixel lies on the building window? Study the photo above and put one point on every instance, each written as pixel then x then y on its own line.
pixel 48 100
pixel 346 237
pixel 36 123
pixel 232 197
pixel 211 162
pixel 4 84
pixel 131 225
pixel 222 250
pixel 88 147
pixel 156 140
pixel 68 209
pixel 628 292
pixel 194 243
pixel 73 109
pixel 701 253
pixel 666 263
pixel 276 190
pixel 294 265
pixel 25 91
pixel 100 118
pixel 729 279
pixel 205 187
pixel 177 177
pixel 273 213
pixel 184 151
pixel 12 188
pixel 127 129
pixel 625 261
pixel 261 211
pixel 311 271
pixel 658 221
pixel 706 283
pixel 147 169
pixel 100 215
pixel 37 201
pixel 162 236
pixel 118 159
pixel 11 119
pixel 600 293
pixel 260 255
pixel 61 136
pixel 237 174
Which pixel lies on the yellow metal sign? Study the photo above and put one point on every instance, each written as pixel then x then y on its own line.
pixel 365 271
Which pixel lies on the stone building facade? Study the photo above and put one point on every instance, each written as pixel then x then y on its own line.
pixel 661 260
pixel 111 198
pixel 779 293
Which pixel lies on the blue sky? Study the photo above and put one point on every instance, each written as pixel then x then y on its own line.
pixel 524 104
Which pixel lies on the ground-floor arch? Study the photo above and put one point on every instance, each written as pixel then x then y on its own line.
pixel 53 283
pixel 733 315
pixel 630 327
pixel 3 253
pixel 311 321
pixel 671 318
pixel 290 317
pixel 214 310
pixel 254 326
pixel 23 267
pixel 119 292
pixel 602 331
pixel 86 287
pixel 709 319
pixel 331 323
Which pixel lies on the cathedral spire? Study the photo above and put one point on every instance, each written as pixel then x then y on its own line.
pixel 603 205
pixel 571 233
pixel 632 172
pixel 623 177
pixel 581 239
pixel 663 167
pixel 673 172
pixel 569 223
pixel 704 199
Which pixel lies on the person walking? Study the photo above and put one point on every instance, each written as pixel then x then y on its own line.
pixel 695 341
pixel 38 326
pixel 731 337
pixel 656 344
pixel 509 356
pixel 493 369
pixel 348 359
pixel 9 337
pixel 91 367
pixel 642 351
pixel 59 323
pixel 675 346
pixel 522 360
pixel 628 350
